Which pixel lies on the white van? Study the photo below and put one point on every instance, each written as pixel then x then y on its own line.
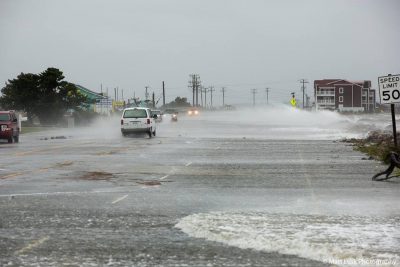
pixel 138 120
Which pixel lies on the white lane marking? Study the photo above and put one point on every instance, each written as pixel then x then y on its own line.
pixel 165 176
pixel 32 245
pixel 119 199
pixel 63 193
pixel 2 169
pixel 218 148
pixel 188 164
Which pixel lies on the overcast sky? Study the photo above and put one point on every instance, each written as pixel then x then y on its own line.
pixel 239 44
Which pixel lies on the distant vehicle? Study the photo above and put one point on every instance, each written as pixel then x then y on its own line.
pixel 193 112
pixel 9 128
pixel 174 117
pixel 158 113
pixel 138 120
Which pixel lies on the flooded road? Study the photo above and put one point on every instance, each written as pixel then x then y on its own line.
pixel 222 189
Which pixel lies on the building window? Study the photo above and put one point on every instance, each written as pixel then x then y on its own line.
pixel 341 90
pixel 341 99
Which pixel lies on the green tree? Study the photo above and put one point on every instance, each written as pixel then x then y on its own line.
pixel 178 102
pixel 21 93
pixel 45 95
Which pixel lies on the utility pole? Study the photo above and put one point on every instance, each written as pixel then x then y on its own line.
pixel 254 92
pixel 267 91
pixel 147 93
pixel 154 102
pixel 223 96
pixel 122 91
pixel 196 79
pixel 194 83
pixel 163 93
pixel 211 90
pixel 303 88
pixel 194 89
pixel 205 97
pixel 201 95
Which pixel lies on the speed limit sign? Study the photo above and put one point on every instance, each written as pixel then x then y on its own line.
pixel 389 88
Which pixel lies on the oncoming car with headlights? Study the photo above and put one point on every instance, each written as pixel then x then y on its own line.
pixel 193 112
pixel 138 120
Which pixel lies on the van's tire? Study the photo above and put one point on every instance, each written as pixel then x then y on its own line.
pixel 16 138
pixel 154 133
pixel 149 133
pixel 11 138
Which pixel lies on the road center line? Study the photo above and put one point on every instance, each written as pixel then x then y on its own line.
pixel 188 164
pixel 119 199
pixel 32 245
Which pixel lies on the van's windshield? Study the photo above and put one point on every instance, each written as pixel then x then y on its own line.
pixel 135 113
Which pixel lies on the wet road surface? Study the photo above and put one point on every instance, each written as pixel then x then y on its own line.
pixel 182 199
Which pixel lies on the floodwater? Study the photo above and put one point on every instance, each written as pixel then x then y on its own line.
pixel 275 123
pixel 252 187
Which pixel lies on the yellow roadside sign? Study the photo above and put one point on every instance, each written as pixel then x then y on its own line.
pixel 293 102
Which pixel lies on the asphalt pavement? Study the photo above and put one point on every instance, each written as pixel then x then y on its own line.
pixel 89 197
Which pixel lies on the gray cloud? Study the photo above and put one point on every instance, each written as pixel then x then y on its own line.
pixel 238 44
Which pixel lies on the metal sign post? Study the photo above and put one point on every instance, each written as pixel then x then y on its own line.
pixel 389 90
pixel 394 125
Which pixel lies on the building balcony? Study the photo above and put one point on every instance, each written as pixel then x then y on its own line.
pixel 325 93
pixel 325 102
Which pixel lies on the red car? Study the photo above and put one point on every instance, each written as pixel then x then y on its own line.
pixel 9 128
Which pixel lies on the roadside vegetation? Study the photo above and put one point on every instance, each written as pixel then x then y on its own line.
pixel 377 145
pixel 177 103
pixel 45 96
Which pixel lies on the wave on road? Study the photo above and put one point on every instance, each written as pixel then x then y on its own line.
pixel 341 240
